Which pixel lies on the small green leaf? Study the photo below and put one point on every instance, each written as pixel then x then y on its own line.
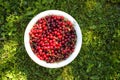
pixel 59 78
pixel 94 78
pixel 30 12
pixel 89 67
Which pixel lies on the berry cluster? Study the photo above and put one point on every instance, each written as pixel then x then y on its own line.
pixel 52 38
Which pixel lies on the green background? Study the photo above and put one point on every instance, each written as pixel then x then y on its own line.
pixel 99 58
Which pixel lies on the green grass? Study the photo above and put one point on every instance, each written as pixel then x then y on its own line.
pixel 99 58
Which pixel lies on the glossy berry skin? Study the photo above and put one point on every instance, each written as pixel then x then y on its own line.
pixel 53 38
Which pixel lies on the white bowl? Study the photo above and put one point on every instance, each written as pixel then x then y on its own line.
pixel 57 64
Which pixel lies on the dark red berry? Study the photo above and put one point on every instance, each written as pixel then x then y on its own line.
pixel 53 38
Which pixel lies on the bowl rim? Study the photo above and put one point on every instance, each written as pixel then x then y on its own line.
pixel 56 64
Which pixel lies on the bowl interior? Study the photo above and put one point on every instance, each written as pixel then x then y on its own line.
pixel 57 64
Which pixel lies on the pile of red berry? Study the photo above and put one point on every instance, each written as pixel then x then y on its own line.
pixel 52 38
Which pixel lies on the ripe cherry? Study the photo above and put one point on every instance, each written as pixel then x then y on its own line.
pixel 52 38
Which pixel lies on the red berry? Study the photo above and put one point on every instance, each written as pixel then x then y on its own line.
pixel 52 38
